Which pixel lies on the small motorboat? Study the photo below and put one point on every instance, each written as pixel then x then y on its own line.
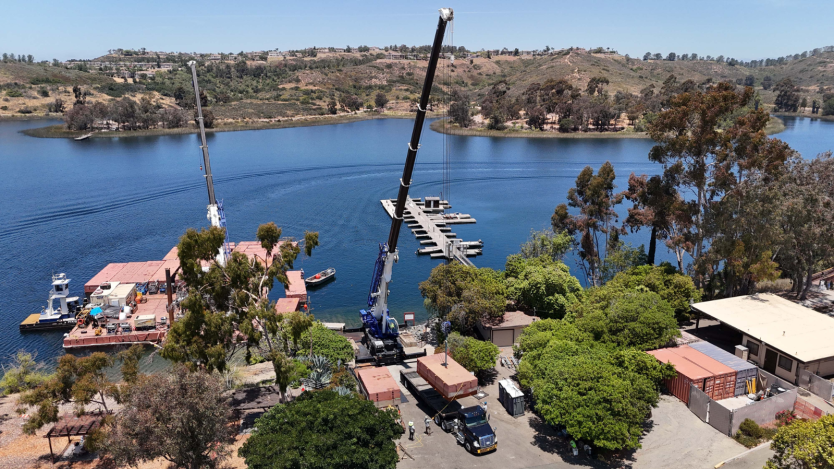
pixel 321 277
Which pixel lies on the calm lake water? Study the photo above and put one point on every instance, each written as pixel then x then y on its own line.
pixel 74 207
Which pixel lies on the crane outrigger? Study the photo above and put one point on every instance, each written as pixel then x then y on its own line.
pixel 381 330
pixel 216 216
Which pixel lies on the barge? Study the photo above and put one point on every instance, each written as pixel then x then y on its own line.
pixel 126 330
pixel 51 318
pixel 137 305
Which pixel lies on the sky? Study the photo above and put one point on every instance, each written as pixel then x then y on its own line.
pixel 743 29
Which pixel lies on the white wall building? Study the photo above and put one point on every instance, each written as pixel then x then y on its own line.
pixel 782 336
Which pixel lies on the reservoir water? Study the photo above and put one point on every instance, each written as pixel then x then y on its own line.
pixel 74 207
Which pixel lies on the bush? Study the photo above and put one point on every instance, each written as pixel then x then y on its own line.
pixel 24 110
pixel 324 429
pixel 299 372
pixel 327 343
pixel 828 107
pixel 476 355
pixel 785 417
pixel 22 374
pixel 13 93
pixel 805 444
pixel 750 428
pixel 750 434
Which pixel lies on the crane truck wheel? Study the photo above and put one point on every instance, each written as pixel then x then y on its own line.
pixel 444 426
pixel 468 447
pixel 437 420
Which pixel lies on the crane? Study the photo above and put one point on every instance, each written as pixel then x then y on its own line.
pixel 381 330
pixel 216 216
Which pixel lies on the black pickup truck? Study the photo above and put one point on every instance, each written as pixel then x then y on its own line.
pixel 469 425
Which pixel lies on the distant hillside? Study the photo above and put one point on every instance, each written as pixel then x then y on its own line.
pixel 39 74
pixel 320 85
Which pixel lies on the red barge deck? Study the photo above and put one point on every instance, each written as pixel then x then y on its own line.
pixel 157 304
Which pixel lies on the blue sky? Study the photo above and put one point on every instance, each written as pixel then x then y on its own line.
pixel 744 29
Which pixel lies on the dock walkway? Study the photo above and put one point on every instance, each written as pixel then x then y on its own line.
pixel 434 232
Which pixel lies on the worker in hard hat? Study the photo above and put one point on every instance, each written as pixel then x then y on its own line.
pixel 428 425
pixel 411 430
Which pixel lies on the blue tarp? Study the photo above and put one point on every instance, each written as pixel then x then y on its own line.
pixel 95 312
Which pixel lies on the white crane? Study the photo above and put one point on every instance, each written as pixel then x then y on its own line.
pixel 215 209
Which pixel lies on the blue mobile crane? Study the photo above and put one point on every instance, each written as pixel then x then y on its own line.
pixel 380 330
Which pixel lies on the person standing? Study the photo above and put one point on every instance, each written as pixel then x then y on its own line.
pixel 428 426
pixel 411 430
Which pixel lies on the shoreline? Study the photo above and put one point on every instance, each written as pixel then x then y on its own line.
pixel 802 114
pixel 775 126
pixel 58 131
pixel 31 117
pixel 438 127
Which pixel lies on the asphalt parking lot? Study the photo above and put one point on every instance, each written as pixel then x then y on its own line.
pixel 675 438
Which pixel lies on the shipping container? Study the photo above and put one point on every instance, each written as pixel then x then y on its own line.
pixel 723 385
pixel 688 373
pixel 452 381
pixel 745 371
pixel 511 397
pixel 379 386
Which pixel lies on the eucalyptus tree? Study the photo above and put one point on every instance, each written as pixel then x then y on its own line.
pixel 593 226
pixel 227 309
pixel 708 142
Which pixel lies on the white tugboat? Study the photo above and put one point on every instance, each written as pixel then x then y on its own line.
pixel 51 318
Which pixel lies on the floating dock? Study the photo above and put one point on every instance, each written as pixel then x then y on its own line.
pixel 430 225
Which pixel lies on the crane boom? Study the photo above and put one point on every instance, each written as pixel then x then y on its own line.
pixel 215 210
pixel 376 319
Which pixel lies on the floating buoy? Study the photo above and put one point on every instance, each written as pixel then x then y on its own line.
pixel 318 276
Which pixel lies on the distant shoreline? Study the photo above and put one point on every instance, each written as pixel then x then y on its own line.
pixel 773 127
pixel 58 131
pixel 437 126
pixel 802 114
pixel 31 117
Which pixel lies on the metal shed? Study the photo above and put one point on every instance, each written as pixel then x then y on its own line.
pixel 744 370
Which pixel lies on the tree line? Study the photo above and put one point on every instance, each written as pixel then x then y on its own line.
pixel 671 57
pixel 559 104
pixel 20 58
pixel 733 205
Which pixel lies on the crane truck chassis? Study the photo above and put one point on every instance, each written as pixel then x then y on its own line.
pixel 469 425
